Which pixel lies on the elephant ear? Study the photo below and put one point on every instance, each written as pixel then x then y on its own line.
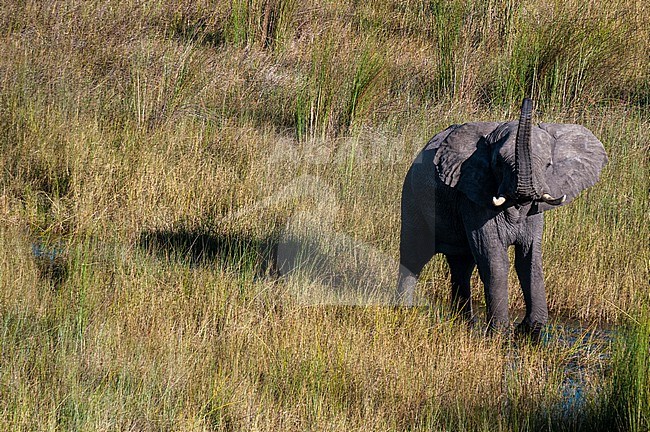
pixel 463 158
pixel 576 162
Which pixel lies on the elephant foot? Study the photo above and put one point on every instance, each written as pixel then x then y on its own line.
pixel 466 317
pixel 472 325
pixel 405 294
pixel 532 332
pixel 502 330
pixel 403 300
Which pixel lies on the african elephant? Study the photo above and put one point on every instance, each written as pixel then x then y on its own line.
pixel 478 188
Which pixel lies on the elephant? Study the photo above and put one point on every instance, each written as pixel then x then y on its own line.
pixel 478 188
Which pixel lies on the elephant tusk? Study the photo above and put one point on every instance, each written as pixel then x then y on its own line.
pixel 548 199
pixel 498 202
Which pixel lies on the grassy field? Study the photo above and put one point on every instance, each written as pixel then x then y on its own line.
pixel 155 154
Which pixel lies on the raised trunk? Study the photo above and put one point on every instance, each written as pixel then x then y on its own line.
pixel 523 158
pixel 531 186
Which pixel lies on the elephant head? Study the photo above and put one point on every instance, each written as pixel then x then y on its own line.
pixel 517 164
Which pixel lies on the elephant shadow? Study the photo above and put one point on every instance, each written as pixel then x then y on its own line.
pixel 203 248
pixel 318 266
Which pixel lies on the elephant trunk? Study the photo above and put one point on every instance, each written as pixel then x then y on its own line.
pixel 531 185
pixel 523 157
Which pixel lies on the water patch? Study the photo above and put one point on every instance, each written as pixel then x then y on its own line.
pixel 51 262
pixel 588 352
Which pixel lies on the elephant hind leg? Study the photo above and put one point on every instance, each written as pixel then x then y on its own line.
pixel 417 246
pixel 461 268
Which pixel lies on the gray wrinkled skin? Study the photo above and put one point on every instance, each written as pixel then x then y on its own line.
pixel 447 208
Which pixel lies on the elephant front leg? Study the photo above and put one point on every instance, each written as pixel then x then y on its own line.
pixel 529 271
pixel 528 264
pixel 493 265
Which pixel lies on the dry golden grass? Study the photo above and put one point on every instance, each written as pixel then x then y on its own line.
pixel 136 136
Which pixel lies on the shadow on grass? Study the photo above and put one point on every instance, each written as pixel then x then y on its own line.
pixel 199 248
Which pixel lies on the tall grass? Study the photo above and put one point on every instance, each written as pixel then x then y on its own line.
pixel 627 406
pixel 338 89
pixel 152 153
